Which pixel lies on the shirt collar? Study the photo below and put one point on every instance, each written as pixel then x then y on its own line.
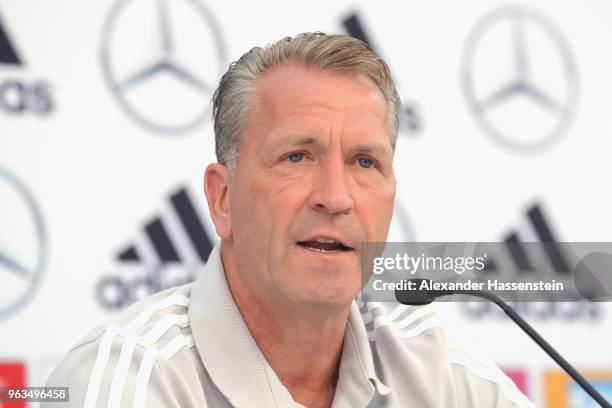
pixel 357 370
pixel 222 338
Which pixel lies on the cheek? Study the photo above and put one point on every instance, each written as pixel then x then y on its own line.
pixel 248 212
pixel 377 209
pixel 286 193
pixel 268 207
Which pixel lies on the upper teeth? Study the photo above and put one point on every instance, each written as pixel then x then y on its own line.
pixel 327 241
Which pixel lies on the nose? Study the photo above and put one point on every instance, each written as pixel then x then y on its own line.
pixel 331 193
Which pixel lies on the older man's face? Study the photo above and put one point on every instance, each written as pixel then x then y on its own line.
pixel 314 180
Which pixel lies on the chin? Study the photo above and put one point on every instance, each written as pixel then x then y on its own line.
pixel 328 294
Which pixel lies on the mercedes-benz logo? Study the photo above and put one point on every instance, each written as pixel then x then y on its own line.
pixel 161 60
pixel 23 244
pixel 519 78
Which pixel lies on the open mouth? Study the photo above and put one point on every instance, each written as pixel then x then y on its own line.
pixel 324 245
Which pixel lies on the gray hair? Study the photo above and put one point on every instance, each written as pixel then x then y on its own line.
pixel 339 53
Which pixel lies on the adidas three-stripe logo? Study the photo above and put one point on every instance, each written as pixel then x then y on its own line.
pixel 544 233
pixel 186 228
pixel 171 251
pixel 136 333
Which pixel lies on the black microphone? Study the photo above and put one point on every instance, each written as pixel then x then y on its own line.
pixel 425 296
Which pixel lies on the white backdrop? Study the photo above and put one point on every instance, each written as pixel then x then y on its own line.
pixel 103 119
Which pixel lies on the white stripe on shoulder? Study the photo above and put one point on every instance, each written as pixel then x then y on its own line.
pixel 146 366
pixel 418 329
pixel 123 366
pixel 176 344
pixel 127 352
pixel 144 316
pixel 143 376
pixel 397 311
pixel 164 325
pixel 489 371
pixel 106 341
pixel 417 314
pixel 127 349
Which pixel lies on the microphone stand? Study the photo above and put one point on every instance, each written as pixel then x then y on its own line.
pixel 539 340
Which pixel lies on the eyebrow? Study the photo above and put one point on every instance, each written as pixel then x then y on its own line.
pixel 371 148
pixel 291 140
pixel 296 140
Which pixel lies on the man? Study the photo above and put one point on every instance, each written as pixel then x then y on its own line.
pixel 305 132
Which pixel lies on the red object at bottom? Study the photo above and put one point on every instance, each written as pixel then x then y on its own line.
pixel 12 375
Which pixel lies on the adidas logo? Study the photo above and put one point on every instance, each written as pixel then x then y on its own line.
pixel 540 227
pixel 544 233
pixel 173 248
pixel 411 121
pixel 18 96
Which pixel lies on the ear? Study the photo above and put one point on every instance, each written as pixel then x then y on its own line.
pixel 216 188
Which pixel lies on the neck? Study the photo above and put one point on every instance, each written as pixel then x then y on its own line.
pixel 289 337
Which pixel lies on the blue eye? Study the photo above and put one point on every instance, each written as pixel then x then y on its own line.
pixel 296 157
pixel 366 163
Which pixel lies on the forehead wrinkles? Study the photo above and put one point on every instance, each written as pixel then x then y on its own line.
pixel 272 88
pixel 330 129
pixel 276 103
pixel 323 131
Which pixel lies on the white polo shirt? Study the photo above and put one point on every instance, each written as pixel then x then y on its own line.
pixel 190 347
